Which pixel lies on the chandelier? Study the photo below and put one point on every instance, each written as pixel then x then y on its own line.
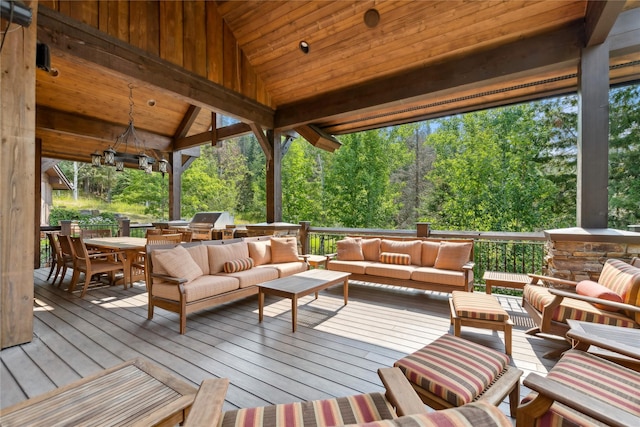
pixel 112 157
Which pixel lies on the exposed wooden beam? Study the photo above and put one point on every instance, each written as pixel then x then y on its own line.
pixel 187 121
pixel 71 37
pixel 625 34
pixel 318 138
pixel 556 49
pixel 262 140
pixel 600 19
pixel 231 131
pixel 88 128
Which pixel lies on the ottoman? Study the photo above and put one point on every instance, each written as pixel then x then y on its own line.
pixel 452 371
pixel 480 311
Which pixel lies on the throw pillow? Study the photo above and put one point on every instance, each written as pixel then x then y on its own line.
pixel 221 253
pixel 350 250
pixel 260 251
pixel 284 249
pixel 429 253
pixel 596 290
pixel 178 263
pixel 371 249
pixel 452 256
pixel 413 248
pixel 395 258
pixel 237 265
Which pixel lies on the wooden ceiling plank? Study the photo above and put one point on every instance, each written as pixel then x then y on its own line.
pixel 520 58
pixel 600 18
pixel 361 66
pixel 69 37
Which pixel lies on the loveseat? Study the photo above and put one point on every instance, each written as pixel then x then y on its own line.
pixel 188 277
pixel 420 263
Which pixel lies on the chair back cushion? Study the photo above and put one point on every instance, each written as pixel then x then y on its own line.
pixel 610 382
pixel 624 280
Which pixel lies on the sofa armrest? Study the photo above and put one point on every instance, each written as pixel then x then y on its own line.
pixel 537 277
pixel 617 305
pixel 331 256
pixel 170 279
pixel 400 392
pixel 469 265
pixel 207 406
pixel 550 391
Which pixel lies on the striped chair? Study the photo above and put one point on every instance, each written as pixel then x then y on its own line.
pixel 582 390
pixel 399 406
pixel 551 307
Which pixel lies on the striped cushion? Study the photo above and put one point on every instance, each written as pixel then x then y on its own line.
pixel 624 280
pixel 357 409
pixel 593 375
pixel 474 414
pixel 478 306
pixel 453 368
pixel 539 296
pixel 236 265
pixel 394 258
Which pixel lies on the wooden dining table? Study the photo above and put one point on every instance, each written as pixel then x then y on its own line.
pixel 130 246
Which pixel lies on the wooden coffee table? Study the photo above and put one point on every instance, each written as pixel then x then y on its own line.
pixel 619 344
pixel 505 280
pixel 300 285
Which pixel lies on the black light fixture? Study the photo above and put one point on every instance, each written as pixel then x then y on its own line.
pixel 304 47
pixel 15 12
pixel 111 156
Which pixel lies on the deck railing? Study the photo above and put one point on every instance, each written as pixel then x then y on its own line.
pixel 495 251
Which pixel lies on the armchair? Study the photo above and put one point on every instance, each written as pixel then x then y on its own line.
pixel 550 308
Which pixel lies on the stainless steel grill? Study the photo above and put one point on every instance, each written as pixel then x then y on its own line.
pixel 209 225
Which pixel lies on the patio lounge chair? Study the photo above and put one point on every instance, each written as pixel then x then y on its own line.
pixel 613 300
pixel 399 406
pixel 582 390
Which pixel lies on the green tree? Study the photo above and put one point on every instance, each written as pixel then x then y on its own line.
pixel 151 190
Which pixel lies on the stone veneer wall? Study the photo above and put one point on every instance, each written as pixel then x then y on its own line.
pixel 579 254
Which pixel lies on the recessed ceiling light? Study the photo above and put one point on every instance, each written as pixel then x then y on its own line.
pixel 304 47
pixel 151 102
pixel 371 18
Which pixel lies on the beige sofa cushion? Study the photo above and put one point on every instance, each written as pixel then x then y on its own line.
pixel 288 268
pixel 452 256
pixel 202 287
pixel 253 276
pixel 371 249
pixel 260 252
pixel 429 253
pixel 350 250
pixel 411 248
pixel 393 271
pixel 200 256
pixel 444 277
pixel 284 249
pixel 219 254
pixel 354 267
pixel 177 262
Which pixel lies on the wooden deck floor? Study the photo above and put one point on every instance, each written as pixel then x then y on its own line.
pixel 335 352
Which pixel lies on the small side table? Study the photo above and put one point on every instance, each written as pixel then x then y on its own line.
pixel 505 280
pixel 618 344
pixel 317 261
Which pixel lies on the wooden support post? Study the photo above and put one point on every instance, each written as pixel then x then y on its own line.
pixel 593 137
pixel 303 235
pixel 17 181
pixel 175 185
pixel 37 201
pixel 274 178
pixel 422 229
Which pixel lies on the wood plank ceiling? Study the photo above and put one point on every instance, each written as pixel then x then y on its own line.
pixel 422 59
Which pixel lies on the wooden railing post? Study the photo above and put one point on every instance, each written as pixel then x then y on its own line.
pixel 65 227
pixel 304 236
pixel 123 227
pixel 422 229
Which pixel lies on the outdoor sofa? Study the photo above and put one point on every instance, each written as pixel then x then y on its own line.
pixel 188 277
pixel 420 263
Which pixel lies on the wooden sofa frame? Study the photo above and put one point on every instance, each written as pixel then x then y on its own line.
pixel 425 286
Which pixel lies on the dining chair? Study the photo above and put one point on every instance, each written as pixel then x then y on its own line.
pixel 152 232
pixel 56 256
pixel 92 264
pixel 66 251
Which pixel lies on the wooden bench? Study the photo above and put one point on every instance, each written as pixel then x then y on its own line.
pixel 136 393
